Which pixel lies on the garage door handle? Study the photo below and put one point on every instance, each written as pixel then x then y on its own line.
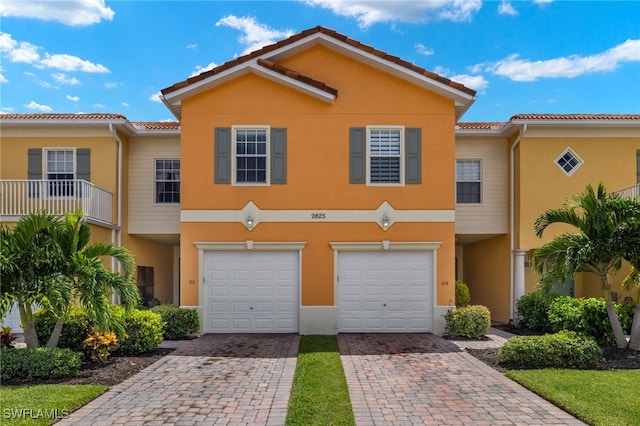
pixel 251 307
pixel 384 304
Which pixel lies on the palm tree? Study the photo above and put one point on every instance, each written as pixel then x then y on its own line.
pixel 597 247
pixel 90 281
pixel 29 263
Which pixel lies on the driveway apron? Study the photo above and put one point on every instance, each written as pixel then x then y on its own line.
pixel 415 379
pixel 214 379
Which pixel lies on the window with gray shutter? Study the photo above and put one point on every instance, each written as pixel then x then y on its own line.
pixel 222 155
pixel 278 156
pixel 385 155
pixel 357 155
pixel 250 151
pixel 468 181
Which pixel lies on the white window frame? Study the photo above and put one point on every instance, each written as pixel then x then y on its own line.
pixel 234 140
pixel 368 148
pixel 45 173
pixel 155 181
pixel 481 181
pixel 562 154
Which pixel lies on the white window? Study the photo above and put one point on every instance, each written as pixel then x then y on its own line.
pixel 568 161
pixel 468 181
pixel 167 181
pixel 60 169
pixel 251 155
pixel 385 155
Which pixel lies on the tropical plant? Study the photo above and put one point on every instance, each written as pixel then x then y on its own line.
pixel 598 247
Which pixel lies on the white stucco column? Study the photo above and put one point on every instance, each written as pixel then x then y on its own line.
pixel 518 275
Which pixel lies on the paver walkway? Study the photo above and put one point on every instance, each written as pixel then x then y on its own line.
pixel 213 380
pixel 422 379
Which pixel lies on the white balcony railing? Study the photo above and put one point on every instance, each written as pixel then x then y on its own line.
pixel 20 197
pixel 631 192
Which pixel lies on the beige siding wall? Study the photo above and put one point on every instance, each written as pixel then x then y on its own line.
pixel 145 215
pixel 489 217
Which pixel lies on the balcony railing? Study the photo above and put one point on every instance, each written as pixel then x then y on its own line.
pixel 631 192
pixel 20 197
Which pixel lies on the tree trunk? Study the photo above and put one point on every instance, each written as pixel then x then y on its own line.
pixel 634 343
pixel 621 340
pixel 55 334
pixel 28 326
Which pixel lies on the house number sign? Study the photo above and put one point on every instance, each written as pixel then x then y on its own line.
pixel 318 216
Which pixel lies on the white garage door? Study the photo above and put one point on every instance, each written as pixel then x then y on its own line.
pixel 385 291
pixel 251 292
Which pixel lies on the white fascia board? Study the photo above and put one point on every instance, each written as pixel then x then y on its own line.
pixel 577 122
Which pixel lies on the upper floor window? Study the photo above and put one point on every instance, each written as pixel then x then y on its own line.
pixel 569 161
pixel 468 181
pixel 384 147
pixel 251 154
pixel 60 169
pixel 167 181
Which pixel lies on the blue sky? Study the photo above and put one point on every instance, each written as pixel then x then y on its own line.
pixel 521 56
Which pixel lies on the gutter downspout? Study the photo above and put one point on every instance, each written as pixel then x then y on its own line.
pixel 119 213
pixel 512 215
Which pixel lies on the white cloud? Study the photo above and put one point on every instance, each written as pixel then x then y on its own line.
pixel 68 12
pixel 66 62
pixel 192 46
pixel 254 34
pixel 63 79
pixel 155 97
pixel 424 50
pixel 542 1
pixel 18 51
pixel 98 106
pixel 73 98
pixel 368 12
pixel 506 8
pixel 518 69
pixel 113 85
pixel 200 70
pixel 124 104
pixel 475 82
pixel 37 107
pixel 3 79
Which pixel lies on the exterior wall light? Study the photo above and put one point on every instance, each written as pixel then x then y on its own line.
pixel 249 221
pixel 385 221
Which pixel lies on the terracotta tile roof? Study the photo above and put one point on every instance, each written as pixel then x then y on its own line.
pixel 157 125
pixel 481 125
pixel 50 116
pixel 297 76
pixel 576 117
pixel 331 33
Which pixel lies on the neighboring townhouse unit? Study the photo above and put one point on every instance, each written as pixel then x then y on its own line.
pixel 318 185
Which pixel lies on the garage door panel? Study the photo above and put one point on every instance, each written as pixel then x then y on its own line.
pixel 251 291
pixel 385 291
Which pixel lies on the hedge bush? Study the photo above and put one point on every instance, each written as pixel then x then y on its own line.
pixel 76 328
pixel 463 295
pixel 179 323
pixel 144 330
pixel 470 321
pixel 533 311
pixel 565 349
pixel 39 363
pixel 587 316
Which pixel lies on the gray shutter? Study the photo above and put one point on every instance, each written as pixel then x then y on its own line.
pixel 34 170
pixel 83 167
pixel 638 166
pixel 278 155
pixel 357 155
pixel 222 155
pixel 413 156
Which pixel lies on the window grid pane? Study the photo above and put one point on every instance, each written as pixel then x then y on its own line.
pixel 60 167
pixel 384 153
pixel 167 181
pixel 468 182
pixel 251 155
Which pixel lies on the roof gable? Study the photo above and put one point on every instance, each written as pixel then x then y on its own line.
pixel 264 62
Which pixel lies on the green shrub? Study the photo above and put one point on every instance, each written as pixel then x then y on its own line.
pixel 533 311
pixel 99 345
pixel 470 321
pixel 7 337
pixel 565 349
pixel 463 295
pixel 179 323
pixel 143 331
pixel 586 316
pixel 75 329
pixel 39 363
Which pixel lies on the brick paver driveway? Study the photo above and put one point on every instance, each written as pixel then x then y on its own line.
pixel 215 379
pixel 415 379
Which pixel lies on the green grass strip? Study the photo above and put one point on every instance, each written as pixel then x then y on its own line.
pixel 43 404
pixel 596 397
pixel 319 395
